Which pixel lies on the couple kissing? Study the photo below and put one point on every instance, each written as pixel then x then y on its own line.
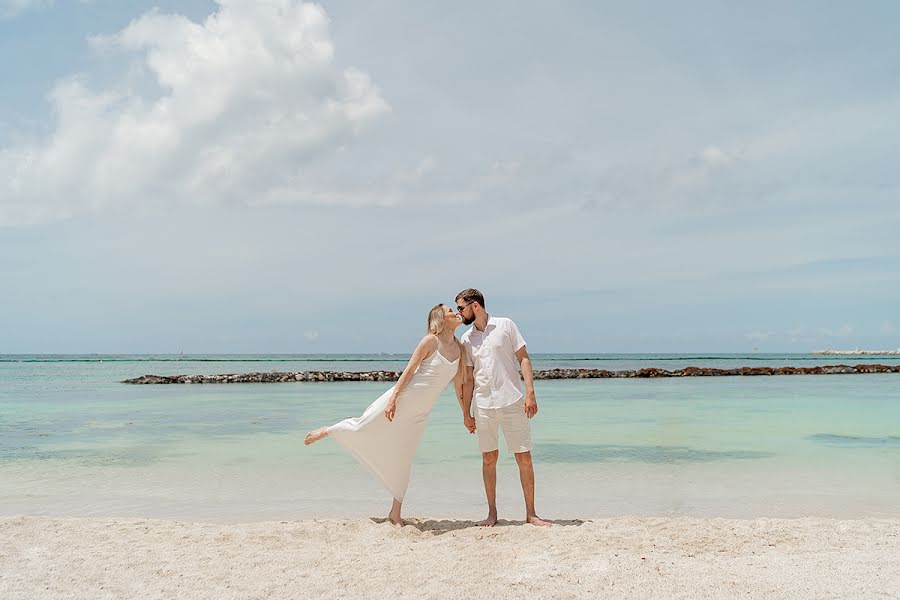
pixel 484 368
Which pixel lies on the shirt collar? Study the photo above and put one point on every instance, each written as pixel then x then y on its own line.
pixel 490 321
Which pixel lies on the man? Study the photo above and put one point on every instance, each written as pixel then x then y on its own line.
pixel 492 348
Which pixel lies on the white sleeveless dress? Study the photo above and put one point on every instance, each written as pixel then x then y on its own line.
pixel 387 448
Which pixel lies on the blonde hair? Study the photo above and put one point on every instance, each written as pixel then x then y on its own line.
pixel 435 325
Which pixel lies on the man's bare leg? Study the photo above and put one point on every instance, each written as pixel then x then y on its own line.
pixel 526 476
pixel 394 515
pixel 489 474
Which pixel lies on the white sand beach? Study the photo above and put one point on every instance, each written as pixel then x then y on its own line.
pixel 623 557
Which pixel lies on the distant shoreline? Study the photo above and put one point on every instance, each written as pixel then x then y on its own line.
pixel 648 373
pixel 858 352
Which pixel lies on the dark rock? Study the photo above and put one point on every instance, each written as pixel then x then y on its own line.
pixel 649 372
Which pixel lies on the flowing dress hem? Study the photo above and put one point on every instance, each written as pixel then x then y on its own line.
pixel 369 467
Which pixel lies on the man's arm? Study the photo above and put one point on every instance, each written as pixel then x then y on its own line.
pixel 465 399
pixel 531 407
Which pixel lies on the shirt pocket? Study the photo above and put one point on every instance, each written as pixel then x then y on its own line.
pixel 496 340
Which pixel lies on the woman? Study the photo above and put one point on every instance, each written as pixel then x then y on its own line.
pixel 386 436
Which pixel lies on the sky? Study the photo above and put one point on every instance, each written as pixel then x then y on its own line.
pixel 276 176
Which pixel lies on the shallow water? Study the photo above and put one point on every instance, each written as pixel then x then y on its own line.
pixel 74 441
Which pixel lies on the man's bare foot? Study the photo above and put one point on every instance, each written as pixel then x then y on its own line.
pixel 537 521
pixel 315 435
pixel 489 522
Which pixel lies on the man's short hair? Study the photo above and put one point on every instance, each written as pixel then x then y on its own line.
pixel 471 295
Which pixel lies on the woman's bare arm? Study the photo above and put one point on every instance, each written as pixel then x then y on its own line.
pixel 426 346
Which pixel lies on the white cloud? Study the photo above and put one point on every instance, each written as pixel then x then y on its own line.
pixel 242 102
pixel 842 331
pixel 887 328
pixel 820 333
pixel 698 170
pixel 311 336
pixel 11 8
pixel 713 156
pixel 757 336
pixel 425 166
pixel 801 334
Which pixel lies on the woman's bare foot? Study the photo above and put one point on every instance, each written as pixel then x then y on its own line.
pixel 489 522
pixel 315 435
pixel 537 521
pixel 394 515
pixel 396 521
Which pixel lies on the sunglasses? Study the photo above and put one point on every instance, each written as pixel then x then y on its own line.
pixel 462 308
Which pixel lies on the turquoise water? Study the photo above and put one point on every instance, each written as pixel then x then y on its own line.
pixel 74 441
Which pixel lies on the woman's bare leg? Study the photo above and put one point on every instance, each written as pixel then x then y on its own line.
pixel 315 435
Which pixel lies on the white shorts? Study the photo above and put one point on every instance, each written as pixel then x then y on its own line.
pixel 516 428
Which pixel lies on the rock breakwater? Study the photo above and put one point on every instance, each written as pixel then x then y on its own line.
pixel 647 373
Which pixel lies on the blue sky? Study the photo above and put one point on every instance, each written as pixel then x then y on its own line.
pixel 275 176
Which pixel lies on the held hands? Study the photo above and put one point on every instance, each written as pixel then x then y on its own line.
pixel 469 422
pixel 391 409
pixel 530 404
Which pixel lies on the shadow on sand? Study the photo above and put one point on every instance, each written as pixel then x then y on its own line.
pixel 439 527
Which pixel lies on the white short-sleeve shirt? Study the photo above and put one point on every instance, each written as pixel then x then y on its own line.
pixel 492 353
